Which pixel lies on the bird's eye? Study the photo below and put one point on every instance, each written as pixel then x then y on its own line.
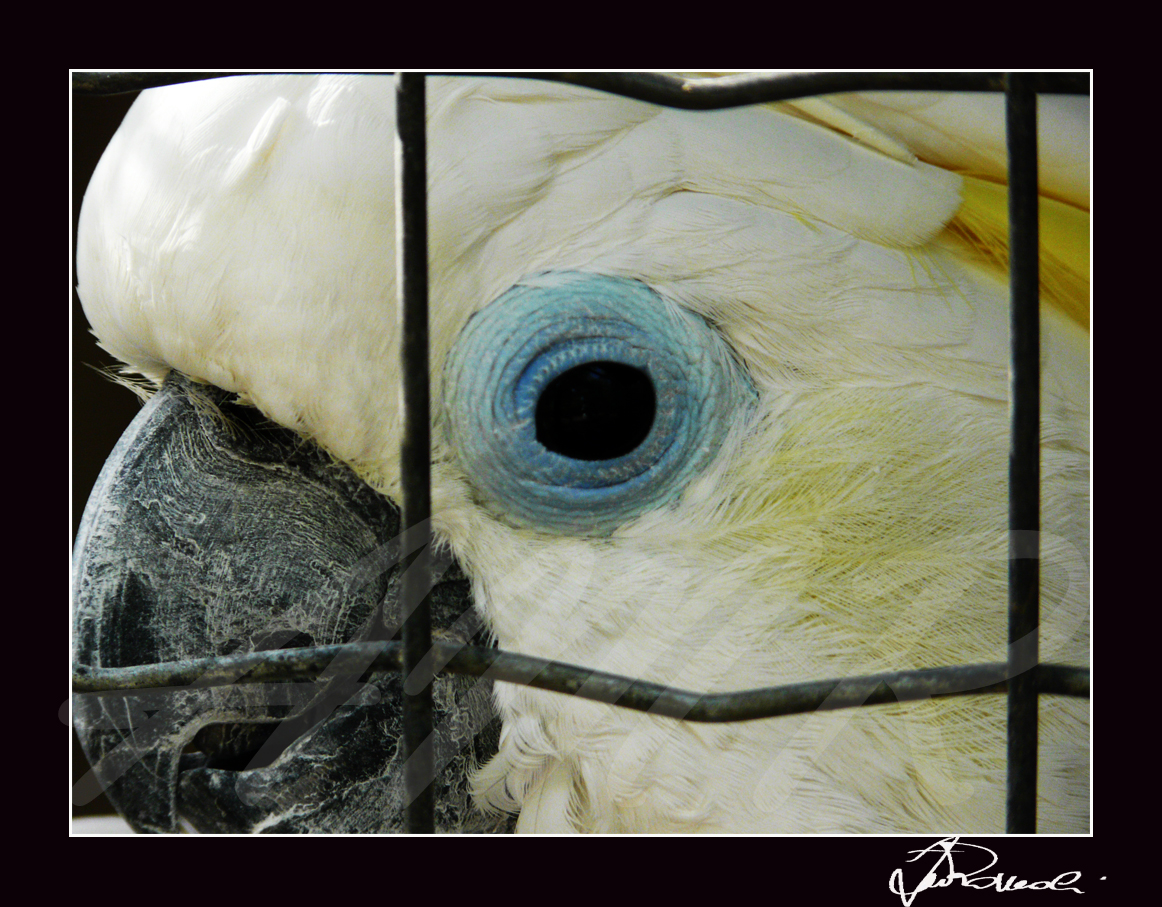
pixel 579 402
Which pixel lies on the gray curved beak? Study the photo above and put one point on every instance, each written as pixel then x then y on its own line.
pixel 211 532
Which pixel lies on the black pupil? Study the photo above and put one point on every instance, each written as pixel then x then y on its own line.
pixel 596 411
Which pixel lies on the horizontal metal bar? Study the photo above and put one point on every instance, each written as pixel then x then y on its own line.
pixel 309 663
pixel 754 88
pixel 675 91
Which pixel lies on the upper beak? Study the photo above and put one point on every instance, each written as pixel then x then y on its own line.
pixel 211 532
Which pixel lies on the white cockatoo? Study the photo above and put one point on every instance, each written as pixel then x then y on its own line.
pixel 719 400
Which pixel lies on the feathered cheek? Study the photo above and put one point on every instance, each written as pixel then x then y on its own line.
pixel 578 402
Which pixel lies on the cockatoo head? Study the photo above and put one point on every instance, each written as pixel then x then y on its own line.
pixel 718 401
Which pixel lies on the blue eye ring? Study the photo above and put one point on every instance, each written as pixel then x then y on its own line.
pixel 512 349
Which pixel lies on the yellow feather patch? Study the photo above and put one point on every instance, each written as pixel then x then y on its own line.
pixel 983 222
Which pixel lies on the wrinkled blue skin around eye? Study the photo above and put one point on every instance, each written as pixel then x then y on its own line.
pixel 511 350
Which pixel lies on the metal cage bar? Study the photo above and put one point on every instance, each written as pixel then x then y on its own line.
pixel 416 458
pixel 377 658
pixel 1021 675
pixel 1024 454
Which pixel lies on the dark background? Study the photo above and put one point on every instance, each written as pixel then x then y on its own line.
pixel 101 410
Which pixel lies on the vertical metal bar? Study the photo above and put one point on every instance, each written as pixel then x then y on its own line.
pixel 1024 454
pixel 412 272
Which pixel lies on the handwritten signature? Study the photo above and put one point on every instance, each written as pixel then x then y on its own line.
pixel 944 848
